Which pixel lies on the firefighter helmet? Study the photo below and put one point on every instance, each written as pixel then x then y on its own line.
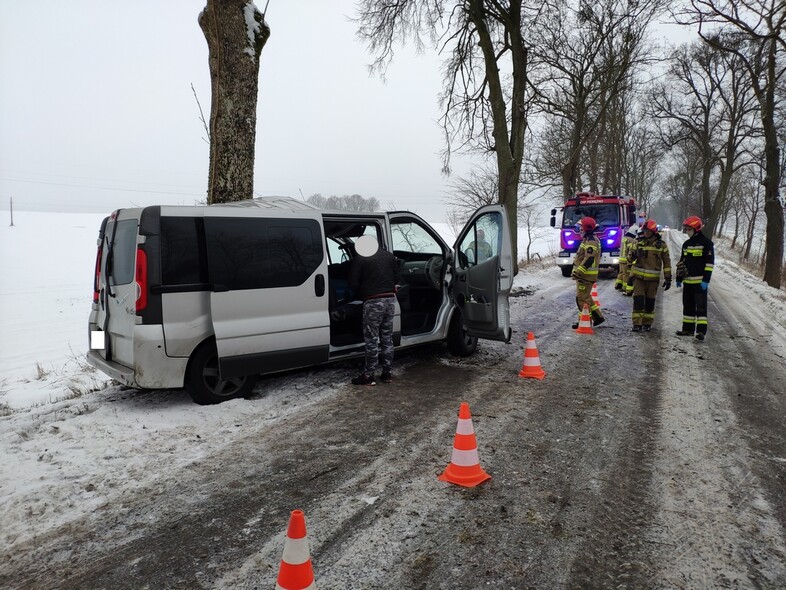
pixel 586 224
pixel 650 225
pixel 693 222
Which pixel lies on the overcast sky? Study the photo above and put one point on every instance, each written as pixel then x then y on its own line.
pixel 97 111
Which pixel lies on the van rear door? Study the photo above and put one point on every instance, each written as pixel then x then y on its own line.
pixel 269 304
pixel 482 272
pixel 117 293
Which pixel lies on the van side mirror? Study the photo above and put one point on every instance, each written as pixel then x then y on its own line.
pixel 553 222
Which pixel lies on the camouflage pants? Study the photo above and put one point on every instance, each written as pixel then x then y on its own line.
pixel 378 332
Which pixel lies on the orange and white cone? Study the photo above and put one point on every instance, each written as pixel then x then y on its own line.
pixel 464 469
pixel 295 572
pixel 531 366
pixel 594 294
pixel 585 324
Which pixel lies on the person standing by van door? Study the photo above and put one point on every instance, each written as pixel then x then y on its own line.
pixel 483 248
pixel 373 275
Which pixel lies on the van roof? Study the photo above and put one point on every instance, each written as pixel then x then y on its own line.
pixel 272 202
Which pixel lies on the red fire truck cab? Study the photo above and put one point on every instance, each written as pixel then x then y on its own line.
pixel 613 214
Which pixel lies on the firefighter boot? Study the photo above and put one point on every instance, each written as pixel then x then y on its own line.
pixel 597 319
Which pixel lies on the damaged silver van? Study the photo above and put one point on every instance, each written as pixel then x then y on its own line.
pixel 209 297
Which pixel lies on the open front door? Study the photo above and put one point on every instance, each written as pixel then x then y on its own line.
pixel 483 274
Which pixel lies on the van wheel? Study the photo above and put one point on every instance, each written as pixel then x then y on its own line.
pixel 206 386
pixel 566 270
pixel 459 342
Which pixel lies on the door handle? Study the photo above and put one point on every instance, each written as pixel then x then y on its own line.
pixel 319 285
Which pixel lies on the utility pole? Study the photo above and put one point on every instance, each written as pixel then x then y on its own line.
pixel 12 211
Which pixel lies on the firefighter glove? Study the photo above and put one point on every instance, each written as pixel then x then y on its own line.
pixel 630 281
pixel 667 284
pixel 679 284
pixel 704 285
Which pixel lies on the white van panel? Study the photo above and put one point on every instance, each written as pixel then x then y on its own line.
pixel 271 319
pixel 186 319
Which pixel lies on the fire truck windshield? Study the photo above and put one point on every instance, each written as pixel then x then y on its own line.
pixel 605 214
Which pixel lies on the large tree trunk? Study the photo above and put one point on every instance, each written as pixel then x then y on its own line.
pixel 509 147
pixel 235 32
pixel 773 208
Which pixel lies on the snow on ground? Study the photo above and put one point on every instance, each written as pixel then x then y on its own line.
pixel 65 459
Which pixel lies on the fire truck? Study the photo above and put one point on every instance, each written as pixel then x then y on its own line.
pixel 613 214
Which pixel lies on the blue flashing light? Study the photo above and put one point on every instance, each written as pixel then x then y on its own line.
pixel 609 242
pixel 612 232
pixel 571 242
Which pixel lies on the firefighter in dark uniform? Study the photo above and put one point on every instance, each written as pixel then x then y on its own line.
pixel 648 257
pixel 694 271
pixel 585 270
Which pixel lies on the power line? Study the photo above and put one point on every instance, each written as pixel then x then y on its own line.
pixel 111 188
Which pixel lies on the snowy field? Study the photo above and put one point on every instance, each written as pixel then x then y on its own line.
pixel 47 262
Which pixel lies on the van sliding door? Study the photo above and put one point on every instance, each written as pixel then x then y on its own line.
pixel 268 303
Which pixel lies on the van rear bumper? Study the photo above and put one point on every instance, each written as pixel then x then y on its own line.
pixel 162 372
pixel 121 373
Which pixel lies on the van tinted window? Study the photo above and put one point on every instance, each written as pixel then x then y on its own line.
pixel 262 253
pixel 183 257
pixel 123 253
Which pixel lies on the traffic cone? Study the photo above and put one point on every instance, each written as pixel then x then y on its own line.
pixel 585 324
pixel 531 366
pixel 295 572
pixel 464 468
pixel 594 294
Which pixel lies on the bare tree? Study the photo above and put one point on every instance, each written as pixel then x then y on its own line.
pixel 586 54
pixel 683 184
pixel 479 188
pixel 755 32
pixel 235 32
pixel 346 203
pixel 705 101
pixel 641 156
pixel 468 193
pixel 485 98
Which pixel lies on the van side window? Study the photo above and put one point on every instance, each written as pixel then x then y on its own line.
pixel 124 252
pixel 262 253
pixel 183 256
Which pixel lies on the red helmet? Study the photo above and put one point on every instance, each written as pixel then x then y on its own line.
pixel 693 222
pixel 650 225
pixel 587 224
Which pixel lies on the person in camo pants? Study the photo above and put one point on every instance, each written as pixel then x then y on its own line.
pixel 373 276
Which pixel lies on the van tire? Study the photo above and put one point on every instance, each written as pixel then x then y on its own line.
pixel 204 384
pixel 459 342
pixel 566 270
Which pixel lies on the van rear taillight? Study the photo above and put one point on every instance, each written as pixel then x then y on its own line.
pixel 141 279
pixel 97 277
